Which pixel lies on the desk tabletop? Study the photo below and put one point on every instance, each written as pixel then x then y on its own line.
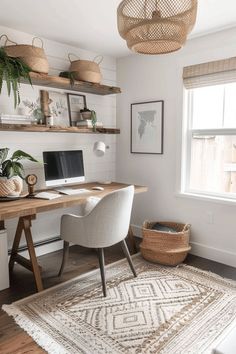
pixel 31 206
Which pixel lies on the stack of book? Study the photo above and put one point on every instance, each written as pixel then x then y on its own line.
pixel 15 119
pixel 87 123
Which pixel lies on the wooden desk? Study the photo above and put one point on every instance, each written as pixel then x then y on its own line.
pixel 26 210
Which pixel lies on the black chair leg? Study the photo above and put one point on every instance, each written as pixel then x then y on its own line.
pixel 102 270
pixel 127 255
pixel 64 257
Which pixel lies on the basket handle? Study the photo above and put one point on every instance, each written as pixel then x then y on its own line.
pixel 186 227
pixel 99 60
pixel 7 39
pixel 69 57
pixel 40 41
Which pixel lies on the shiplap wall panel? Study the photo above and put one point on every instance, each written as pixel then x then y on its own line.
pixel 96 168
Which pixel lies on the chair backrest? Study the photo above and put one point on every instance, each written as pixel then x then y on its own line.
pixel 107 223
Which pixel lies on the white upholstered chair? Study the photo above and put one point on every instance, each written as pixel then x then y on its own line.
pixel 106 224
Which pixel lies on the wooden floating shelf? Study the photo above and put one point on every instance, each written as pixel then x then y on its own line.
pixel 56 129
pixel 64 83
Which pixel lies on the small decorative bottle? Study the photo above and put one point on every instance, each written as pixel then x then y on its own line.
pixel 49 121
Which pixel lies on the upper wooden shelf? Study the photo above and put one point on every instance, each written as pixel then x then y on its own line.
pixel 63 83
pixel 56 129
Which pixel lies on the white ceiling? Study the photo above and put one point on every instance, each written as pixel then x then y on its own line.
pixel 91 24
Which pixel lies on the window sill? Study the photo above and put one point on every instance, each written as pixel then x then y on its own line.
pixel 207 198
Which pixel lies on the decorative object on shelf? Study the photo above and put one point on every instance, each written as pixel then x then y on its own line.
pixel 58 108
pixel 87 123
pixel 147 127
pixel 86 70
pixel 12 172
pixel 34 57
pixel 168 244
pixel 31 181
pixel 156 26
pixel 68 75
pixel 12 70
pixel 85 114
pixel 15 119
pixel 49 121
pixel 76 104
pixel 35 110
pixel 99 148
pixel 44 104
pixel 94 120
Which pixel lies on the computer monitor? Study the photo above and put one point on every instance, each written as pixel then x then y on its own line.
pixel 63 167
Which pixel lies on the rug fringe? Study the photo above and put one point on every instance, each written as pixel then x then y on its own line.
pixel 40 337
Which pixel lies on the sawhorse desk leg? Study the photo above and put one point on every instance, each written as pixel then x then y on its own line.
pixel 24 224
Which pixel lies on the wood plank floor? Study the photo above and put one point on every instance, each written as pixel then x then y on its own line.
pixel 13 340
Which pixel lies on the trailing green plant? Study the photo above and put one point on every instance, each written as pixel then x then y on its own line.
pixel 68 75
pixel 12 166
pixel 93 120
pixel 12 70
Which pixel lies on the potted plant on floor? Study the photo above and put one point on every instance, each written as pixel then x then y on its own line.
pixel 12 172
pixel 12 70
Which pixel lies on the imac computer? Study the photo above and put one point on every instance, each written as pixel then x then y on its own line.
pixel 63 167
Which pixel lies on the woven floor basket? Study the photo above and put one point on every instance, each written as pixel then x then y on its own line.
pixel 86 70
pixel 168 248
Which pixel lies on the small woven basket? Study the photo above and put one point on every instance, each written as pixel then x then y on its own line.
pixel 86 70
pixel 168 248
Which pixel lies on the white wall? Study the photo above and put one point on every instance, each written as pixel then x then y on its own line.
pixel 96 168
pixel 145 78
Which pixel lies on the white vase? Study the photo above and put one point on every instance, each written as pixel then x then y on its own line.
pixel 10 186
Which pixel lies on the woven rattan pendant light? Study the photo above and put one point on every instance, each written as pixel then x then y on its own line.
pixel 156 26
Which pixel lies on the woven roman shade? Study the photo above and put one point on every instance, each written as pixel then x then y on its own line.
pixel 208 74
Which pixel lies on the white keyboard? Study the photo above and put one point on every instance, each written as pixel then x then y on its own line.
pixel 71 191
pixel 47 195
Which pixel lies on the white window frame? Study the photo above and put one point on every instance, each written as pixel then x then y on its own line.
pixel 188 132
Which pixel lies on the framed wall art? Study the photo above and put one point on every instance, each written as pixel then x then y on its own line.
pixel 147 127
pixel 58 108
pixel 75 104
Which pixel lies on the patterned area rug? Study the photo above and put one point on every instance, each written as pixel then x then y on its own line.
pixel 163 310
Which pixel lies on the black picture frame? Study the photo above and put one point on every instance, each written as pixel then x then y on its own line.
pixel 74 115
pixel 152 112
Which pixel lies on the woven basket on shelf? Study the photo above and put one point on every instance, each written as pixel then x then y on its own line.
pixel 169 248
pixel 86 70
pixel 31 55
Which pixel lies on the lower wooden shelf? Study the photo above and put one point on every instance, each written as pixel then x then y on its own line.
pixel 56 129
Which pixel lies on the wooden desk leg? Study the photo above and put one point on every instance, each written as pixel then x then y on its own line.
pixel 33 258
pixel 24 224
pixel 131 239
pixel 15 245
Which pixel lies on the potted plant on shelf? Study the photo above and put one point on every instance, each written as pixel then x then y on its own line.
pixel 12 172
pixel 12 70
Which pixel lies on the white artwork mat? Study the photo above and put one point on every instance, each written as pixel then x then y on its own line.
pixel 147 127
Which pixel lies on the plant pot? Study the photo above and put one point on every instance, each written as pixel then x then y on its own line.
pixel 10 187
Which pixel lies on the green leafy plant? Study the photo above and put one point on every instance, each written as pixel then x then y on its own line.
pixel 93 120
pixel 12 70
pixel 68 75
pixel 12 166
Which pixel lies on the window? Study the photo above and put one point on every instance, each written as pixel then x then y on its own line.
pixel 210 135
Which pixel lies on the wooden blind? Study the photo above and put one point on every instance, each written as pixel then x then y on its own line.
pixel 208 74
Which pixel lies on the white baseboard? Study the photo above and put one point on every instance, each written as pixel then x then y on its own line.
pixel 44 249
pixel 214 254
pixel 201 250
